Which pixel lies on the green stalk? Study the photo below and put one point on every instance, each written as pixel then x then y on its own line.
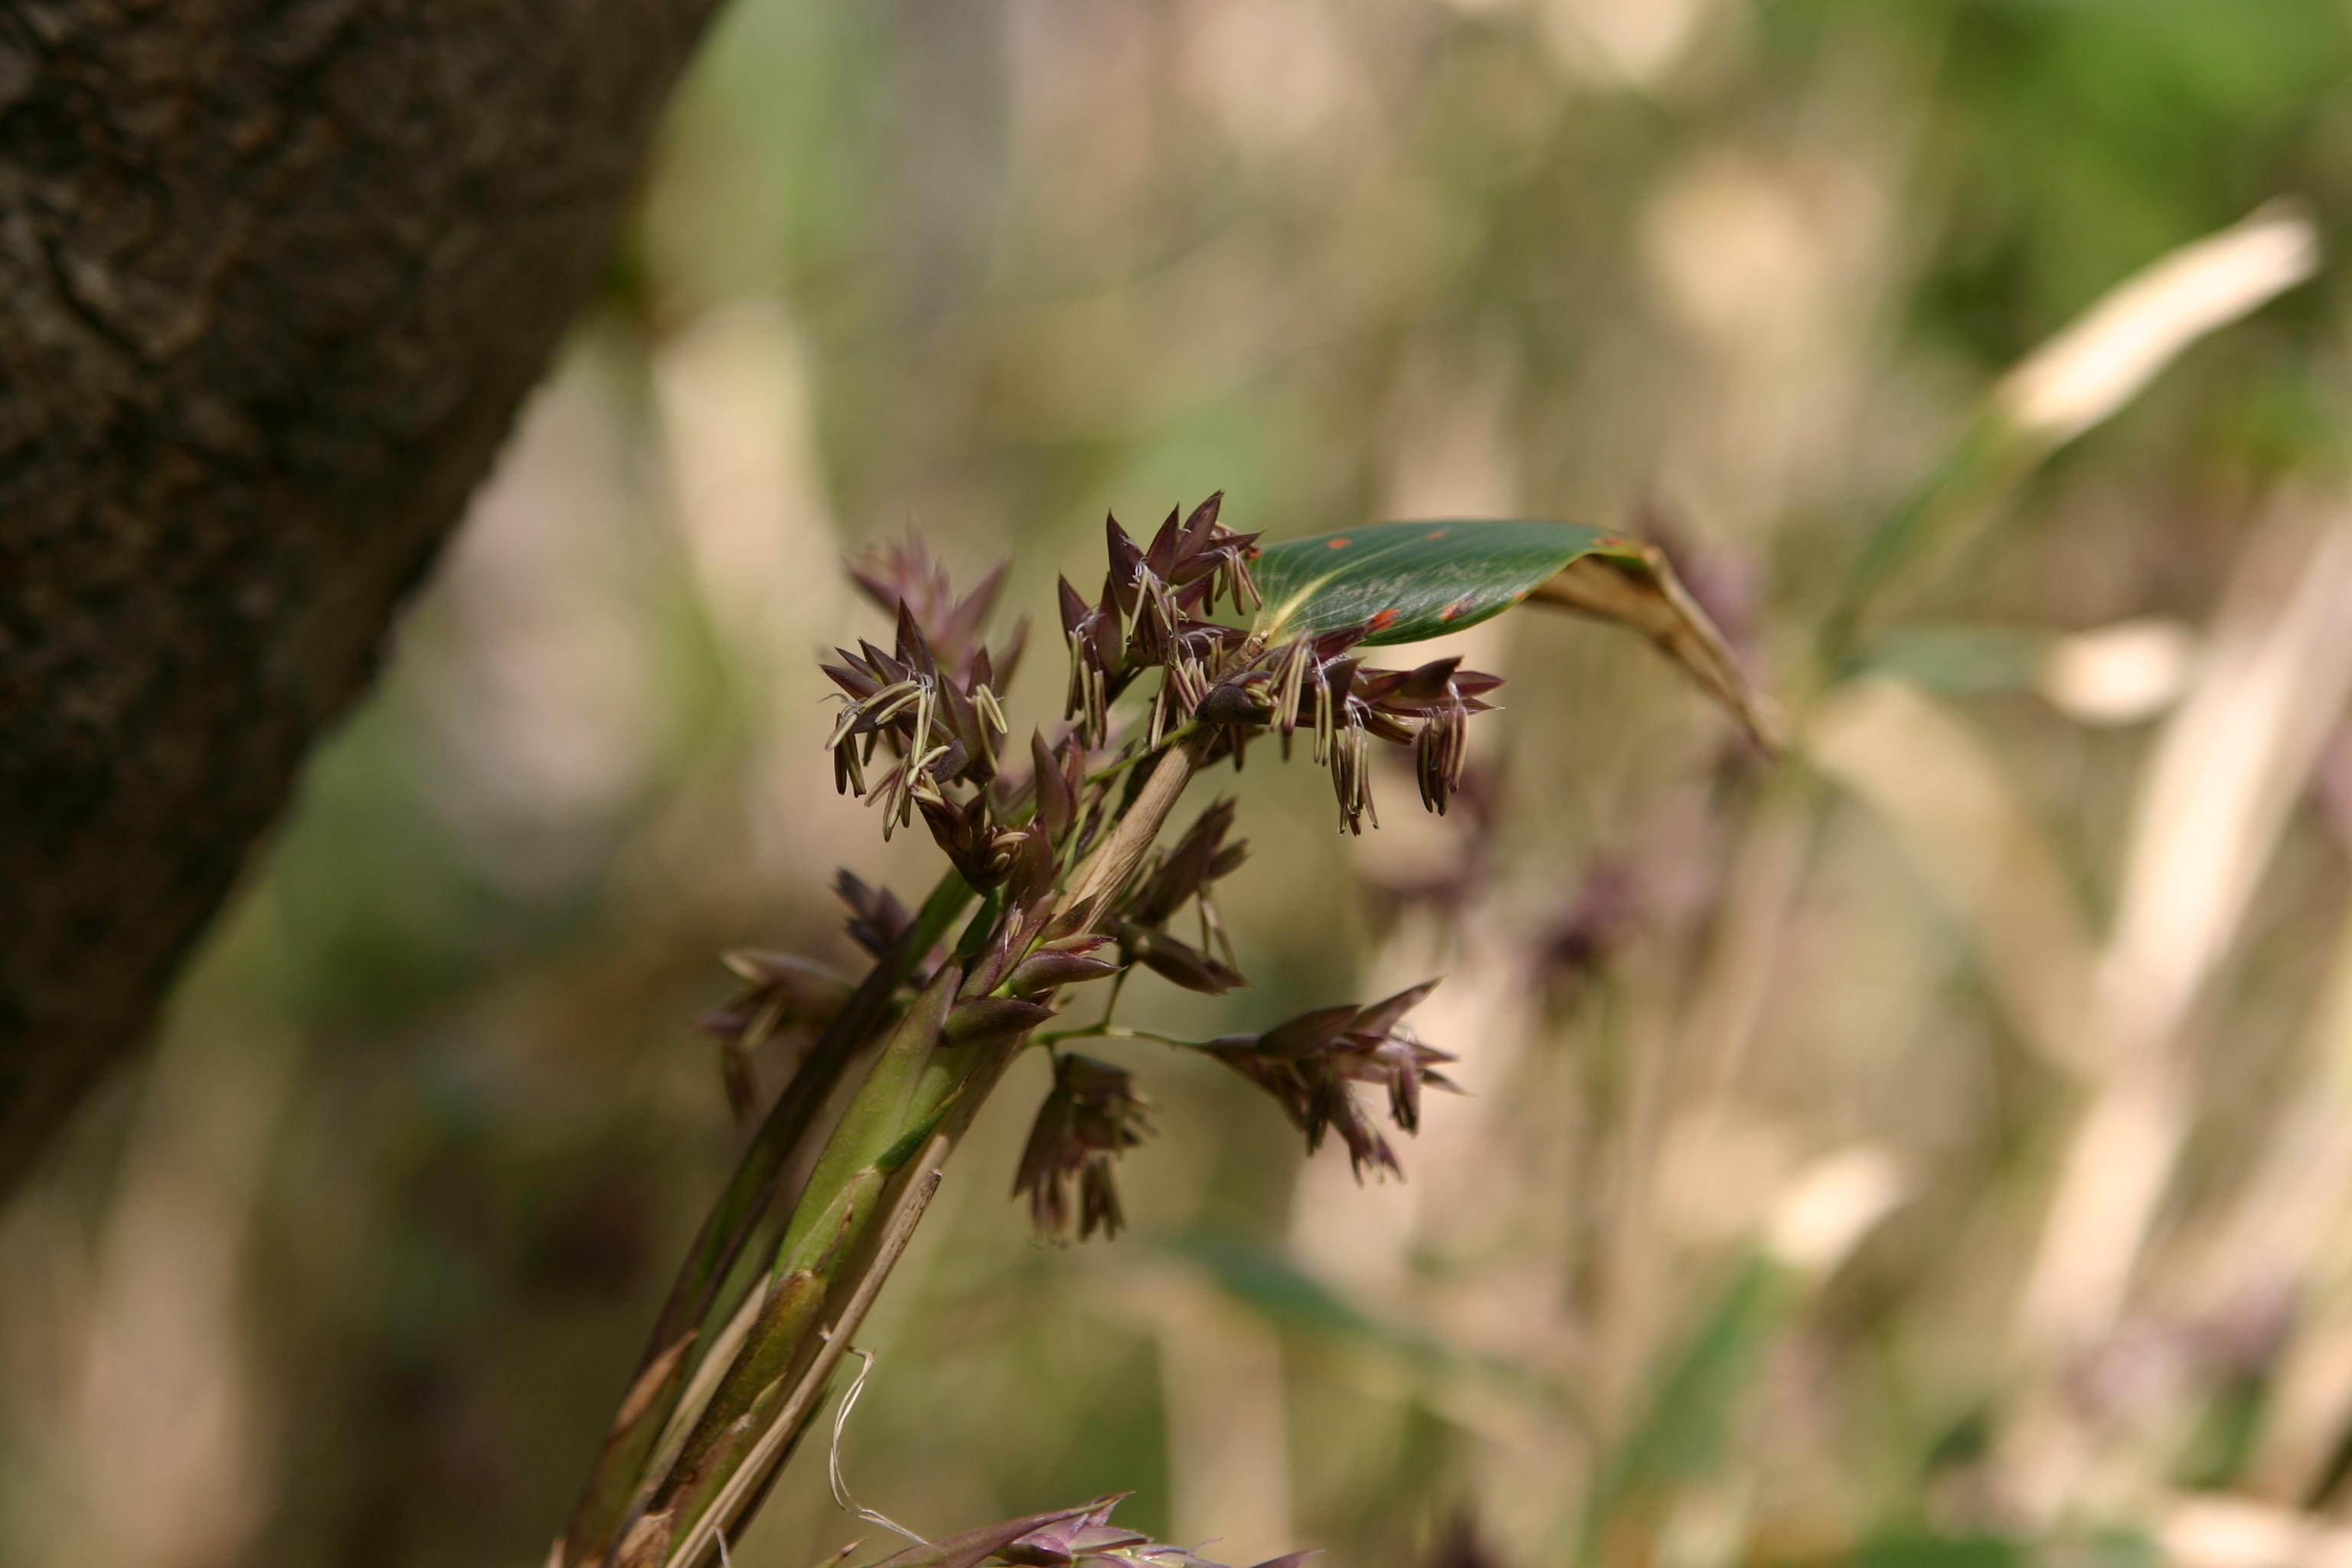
pixel 851 1223
pixel 618 1478
pixel 884 1125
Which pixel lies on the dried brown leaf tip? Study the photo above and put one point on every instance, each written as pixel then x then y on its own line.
pixel 1092 1115
pixel 1309 1063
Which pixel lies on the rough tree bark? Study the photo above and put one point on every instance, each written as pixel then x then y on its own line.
pixel 274 277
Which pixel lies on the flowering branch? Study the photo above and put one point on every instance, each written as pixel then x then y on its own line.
pixel 1064 859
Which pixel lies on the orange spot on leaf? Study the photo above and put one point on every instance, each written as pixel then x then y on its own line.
pixel 1453 609
pixel 1435 533
pixel 1380 621
pixel 1337 544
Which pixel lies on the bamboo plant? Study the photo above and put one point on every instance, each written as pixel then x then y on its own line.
pixel 1199 644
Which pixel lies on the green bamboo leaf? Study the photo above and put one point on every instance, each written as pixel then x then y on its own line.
pixel 1412 581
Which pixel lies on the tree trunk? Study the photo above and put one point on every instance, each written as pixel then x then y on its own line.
pixel 274 277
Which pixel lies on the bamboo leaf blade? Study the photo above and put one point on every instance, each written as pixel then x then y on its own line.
pixel 1408 582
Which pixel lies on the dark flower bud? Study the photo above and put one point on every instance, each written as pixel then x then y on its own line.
pixel 913 648
pixel 1196 860
pixel 1244 699
pixel 1308 1033
pixel 1159 555
pixel 1175 962
pixel 1201 528
pixel 987 1020
pixel 1028 868
pixel 1126 566
pixel 1009 937
pixel 876 918
pixel 1045 969
pixel 1092 1115
pixel 1057 797
pixel 962 836
pixel 779 989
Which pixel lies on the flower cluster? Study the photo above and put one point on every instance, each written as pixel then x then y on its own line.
pixel 1093 1115
pixel 1317 683
pixel 1308 1063
pixel 930 703
pixel 1152 614
pixel 1183 875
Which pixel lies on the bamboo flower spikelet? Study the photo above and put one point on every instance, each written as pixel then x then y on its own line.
pixel 1056 879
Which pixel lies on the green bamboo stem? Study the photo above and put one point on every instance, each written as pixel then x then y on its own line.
pixel 913 1109
pixel 618 1479
pixel 881 1127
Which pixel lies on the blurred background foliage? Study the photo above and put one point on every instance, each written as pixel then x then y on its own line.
pixel 1830 1187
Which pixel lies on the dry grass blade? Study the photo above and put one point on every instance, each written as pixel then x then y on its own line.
pixel 2230 766
pixel 1936 784
pixel 2074 380
pixel 2101 361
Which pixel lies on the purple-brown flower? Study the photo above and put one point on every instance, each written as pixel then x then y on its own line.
pixel 929 702
pixel 1152 614
pixel 779 991
pixel 1308 1063
pixel 876 918
pixel 1185 874
pixel 1092 1115
pixel 906 574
